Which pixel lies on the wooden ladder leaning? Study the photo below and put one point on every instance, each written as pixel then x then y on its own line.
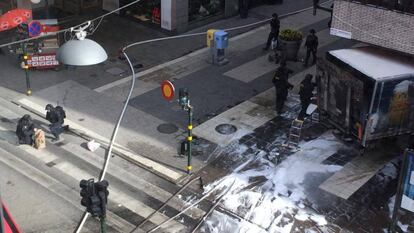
pixel 294 133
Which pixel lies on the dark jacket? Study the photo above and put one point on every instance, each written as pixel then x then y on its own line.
pixel 274 26
pixel 280 81
pixel 56 115
pixel 311 42
pixel 281 73
pixel 25 130
pixel 306 89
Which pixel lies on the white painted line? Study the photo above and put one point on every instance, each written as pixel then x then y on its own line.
pixel 150 70
pixel 42 154
pixel 139 160
pixel 353 176
pixel 242 116
pixel 150 189
pixel 56 187
pixel 121 198
pixel 252 70
pixel 172 62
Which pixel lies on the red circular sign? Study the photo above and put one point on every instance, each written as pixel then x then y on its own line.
pixel 167 89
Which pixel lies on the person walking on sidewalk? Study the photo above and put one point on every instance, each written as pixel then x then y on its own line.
pixel 25 130
pixel 56 116
pixel 280 81
pixel 311 45
pixel 306 94
pixel 274 30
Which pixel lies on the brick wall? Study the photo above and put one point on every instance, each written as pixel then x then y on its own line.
pixel 385 28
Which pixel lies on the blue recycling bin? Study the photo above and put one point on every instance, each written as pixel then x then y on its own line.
pixel 221 40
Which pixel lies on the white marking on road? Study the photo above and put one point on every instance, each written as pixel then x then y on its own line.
pixel 252 70
pixel 139 160
pixel 121 198
pixel 145 186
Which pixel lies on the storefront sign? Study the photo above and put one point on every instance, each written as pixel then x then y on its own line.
pixel 42 61
pixel 407 201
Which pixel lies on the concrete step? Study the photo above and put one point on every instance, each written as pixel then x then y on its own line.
pixel 131 197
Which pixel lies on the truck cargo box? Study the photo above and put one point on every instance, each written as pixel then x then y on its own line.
pixel 367 92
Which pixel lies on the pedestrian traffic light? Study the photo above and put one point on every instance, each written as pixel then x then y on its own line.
pixel 94 196
pixel 183 98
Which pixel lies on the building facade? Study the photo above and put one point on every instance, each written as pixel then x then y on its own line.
pixel 175 15
pixel 385 23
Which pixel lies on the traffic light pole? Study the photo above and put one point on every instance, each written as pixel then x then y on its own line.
pixel 103 224
pixel 190 137
pixel 26 70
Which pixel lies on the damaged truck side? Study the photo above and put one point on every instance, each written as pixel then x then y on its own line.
pixel 367 92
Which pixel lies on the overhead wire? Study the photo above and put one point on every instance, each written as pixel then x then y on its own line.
pixel 69 29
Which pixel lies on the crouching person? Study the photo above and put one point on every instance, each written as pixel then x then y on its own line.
pixel 25 130
pixel 56 116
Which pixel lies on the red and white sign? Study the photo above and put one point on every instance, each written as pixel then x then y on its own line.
pixel 42 61
pixel 167 89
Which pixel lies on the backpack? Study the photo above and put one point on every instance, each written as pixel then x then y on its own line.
pixel 60 111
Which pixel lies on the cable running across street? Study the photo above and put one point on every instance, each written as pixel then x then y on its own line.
pixel 69 29
pixel 156 39
pixel 115 132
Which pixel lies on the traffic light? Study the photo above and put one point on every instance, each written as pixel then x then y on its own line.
pixel 94 196
pixel 25 64
pixel 183 97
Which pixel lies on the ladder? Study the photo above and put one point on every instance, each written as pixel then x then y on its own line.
pixel 294 133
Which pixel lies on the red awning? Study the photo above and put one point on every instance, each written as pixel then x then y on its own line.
pixel 13 18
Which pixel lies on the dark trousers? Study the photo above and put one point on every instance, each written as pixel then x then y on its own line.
pixel 305 105
pixel 56 129
pixel 272 35
pixel 26 139
pixel 280 100
pixel 308 53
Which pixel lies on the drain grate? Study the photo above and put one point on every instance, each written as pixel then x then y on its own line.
pixel 226 129
pixel 167 128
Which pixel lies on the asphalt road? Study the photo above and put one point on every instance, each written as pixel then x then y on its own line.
pixel 127 31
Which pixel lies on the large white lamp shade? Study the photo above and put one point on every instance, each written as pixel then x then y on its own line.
pixel 81 53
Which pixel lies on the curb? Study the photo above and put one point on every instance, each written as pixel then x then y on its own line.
pixel 139 160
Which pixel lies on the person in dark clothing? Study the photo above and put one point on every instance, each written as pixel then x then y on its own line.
pixel 244 8
pixel 280 81
pixel 56 116
pixel 274 30
pixel 25 130
pixel 311 45
pixel 306 94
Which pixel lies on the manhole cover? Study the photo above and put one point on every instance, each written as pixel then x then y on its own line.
pixel 167 128
pixel 226 129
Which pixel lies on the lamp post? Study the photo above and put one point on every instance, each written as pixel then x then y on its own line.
pixel 85 52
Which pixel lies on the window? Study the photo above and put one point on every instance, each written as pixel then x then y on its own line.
pixel 199 9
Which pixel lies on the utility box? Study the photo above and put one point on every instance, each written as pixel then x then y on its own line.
pixel 367 92
pixel 221 40
pixel 210 37
pixel 217 40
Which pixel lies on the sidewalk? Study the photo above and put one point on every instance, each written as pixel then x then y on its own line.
pixel 95 112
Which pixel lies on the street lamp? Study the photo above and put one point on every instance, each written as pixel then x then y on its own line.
pixel 81 51
pixel 84 52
